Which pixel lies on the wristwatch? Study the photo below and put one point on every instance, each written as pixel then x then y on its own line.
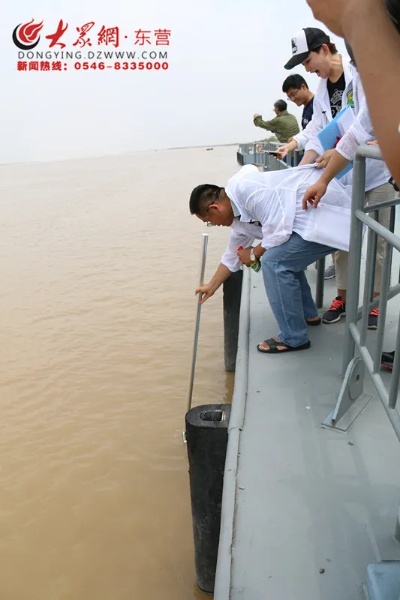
pixel 252 255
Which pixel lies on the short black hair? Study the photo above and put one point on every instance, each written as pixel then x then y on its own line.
pixel 293 82
pixel 331 47
pixel 393 8
pixel 202 196
pixel 281 105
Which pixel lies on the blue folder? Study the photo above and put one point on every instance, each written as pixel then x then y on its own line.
pixel 331 134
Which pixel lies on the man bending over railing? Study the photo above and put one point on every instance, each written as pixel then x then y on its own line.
pixel 268 206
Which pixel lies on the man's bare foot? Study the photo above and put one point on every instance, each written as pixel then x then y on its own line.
pixel 264 347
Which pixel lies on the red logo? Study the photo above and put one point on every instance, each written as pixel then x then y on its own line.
pixel 26 36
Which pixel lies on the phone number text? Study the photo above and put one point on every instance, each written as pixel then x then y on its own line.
pixel 122 66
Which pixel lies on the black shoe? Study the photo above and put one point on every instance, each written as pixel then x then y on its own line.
pixel 336 311
pixel 387 359
pixel 373 319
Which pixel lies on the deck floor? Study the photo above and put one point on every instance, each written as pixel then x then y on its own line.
pixel 313 507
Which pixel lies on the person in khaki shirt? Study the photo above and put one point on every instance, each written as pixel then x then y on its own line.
pixel 284 126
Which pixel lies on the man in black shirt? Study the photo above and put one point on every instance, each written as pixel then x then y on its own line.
pixel 296 89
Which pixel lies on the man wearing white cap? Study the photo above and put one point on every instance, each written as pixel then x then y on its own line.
pixel 337 75
pixel 313 48
pixel 372 29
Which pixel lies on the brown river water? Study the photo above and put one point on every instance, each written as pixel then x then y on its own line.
pixel 99 259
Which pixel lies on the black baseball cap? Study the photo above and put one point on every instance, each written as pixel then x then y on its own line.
pixel 303 42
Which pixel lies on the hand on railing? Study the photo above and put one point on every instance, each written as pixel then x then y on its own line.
pixel 314 194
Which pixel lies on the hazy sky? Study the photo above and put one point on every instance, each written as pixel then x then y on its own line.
pixel 225 63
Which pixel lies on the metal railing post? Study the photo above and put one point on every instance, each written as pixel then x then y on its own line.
pixel 355 336
pixel 319 291
pixel 356 230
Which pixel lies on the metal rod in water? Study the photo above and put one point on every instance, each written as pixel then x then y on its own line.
pixel 196 333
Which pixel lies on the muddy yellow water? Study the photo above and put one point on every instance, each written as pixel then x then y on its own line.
pixel 99 260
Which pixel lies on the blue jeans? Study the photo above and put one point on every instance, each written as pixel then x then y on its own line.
pixel 287 288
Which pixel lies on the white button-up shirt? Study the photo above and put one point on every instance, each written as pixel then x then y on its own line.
pixel 270 208
pixel 361 132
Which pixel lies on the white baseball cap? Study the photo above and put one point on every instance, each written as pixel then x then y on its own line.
pixel 303 42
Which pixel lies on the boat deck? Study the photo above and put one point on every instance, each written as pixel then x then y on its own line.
pixel 305 508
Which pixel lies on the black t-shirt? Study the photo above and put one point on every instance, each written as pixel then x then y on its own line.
pixel 307 113
pixel 335 91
